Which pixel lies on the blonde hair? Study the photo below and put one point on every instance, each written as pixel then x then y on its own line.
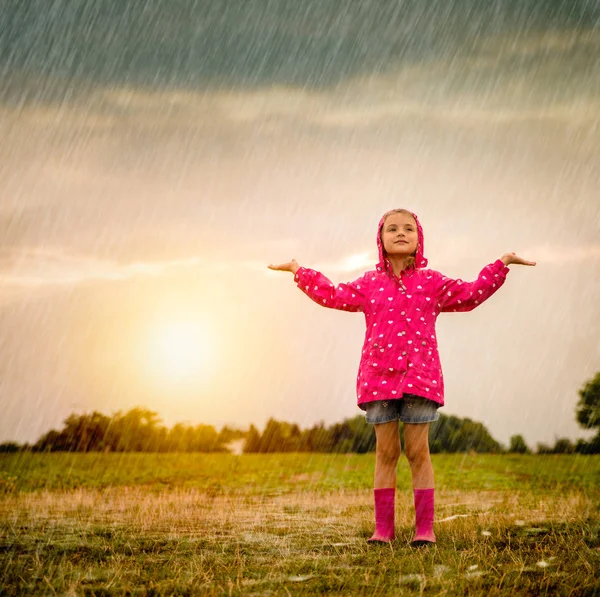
pixel 410 261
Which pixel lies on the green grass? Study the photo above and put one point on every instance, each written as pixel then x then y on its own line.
pixel 139 524
pixel 281 473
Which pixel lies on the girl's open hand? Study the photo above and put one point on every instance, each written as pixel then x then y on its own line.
pixel 513 258
pixel 291 266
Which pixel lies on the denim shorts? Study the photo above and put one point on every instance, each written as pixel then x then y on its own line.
pixel 408 409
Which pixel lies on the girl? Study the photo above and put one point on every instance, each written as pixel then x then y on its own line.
pixel 400 376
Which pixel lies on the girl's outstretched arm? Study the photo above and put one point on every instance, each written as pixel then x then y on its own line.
pixel 290 266
pixel 346 297
pixel 458 295
pixel 514 259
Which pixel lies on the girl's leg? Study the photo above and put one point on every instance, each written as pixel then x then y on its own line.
pixel 387 454
pixel 386 461
pixel 416 445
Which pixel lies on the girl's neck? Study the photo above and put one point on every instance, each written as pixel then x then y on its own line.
pixel 398 263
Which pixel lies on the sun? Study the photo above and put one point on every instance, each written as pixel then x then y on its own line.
pixel 179 352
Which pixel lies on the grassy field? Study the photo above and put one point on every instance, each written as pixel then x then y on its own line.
pixel 191 524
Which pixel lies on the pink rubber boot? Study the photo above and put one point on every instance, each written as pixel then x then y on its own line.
pixel 424 508
pixel 384 515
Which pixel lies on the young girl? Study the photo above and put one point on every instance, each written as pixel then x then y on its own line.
pixel 400 376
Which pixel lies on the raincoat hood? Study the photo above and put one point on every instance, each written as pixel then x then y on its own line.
pixel 384 265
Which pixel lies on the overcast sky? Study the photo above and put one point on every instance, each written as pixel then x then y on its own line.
pixel 156 157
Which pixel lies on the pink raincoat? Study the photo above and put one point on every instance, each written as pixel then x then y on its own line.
pixel 400 351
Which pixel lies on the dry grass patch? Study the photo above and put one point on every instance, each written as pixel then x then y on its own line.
pixel 134 541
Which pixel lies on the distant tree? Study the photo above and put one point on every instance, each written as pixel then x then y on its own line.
pixel 518 445
pixel 544 449
pixel 452 434
pixel 588 407
pixel 591 447
pixel 10 447
pixel 563 446
pixel 363 435
pixel 252 443
pixel 228 434
pixel 135 430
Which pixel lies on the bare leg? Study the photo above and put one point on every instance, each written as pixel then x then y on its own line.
pixel 387 453
pixel 416 445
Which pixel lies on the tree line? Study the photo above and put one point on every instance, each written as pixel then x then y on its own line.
pixel 141 430
pixel 138 430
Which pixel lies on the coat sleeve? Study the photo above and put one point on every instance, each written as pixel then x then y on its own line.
pixel 345 297
pixel 457 295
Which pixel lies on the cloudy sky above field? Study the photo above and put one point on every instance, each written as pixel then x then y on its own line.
pixel 157 156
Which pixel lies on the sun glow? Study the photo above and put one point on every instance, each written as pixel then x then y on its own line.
pixel 179 353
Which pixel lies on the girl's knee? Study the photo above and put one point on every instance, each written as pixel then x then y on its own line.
pixel 418 455
pixel 389 453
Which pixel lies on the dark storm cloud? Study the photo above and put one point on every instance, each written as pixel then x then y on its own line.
pixel 254 42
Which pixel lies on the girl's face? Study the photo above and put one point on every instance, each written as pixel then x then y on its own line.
pixel 399 235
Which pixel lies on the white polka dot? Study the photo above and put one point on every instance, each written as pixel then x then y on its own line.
pixel 372 300
pixel 393 391
pixel 316 288
pixel 391 321
pixel 390 298
pixel 409 385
